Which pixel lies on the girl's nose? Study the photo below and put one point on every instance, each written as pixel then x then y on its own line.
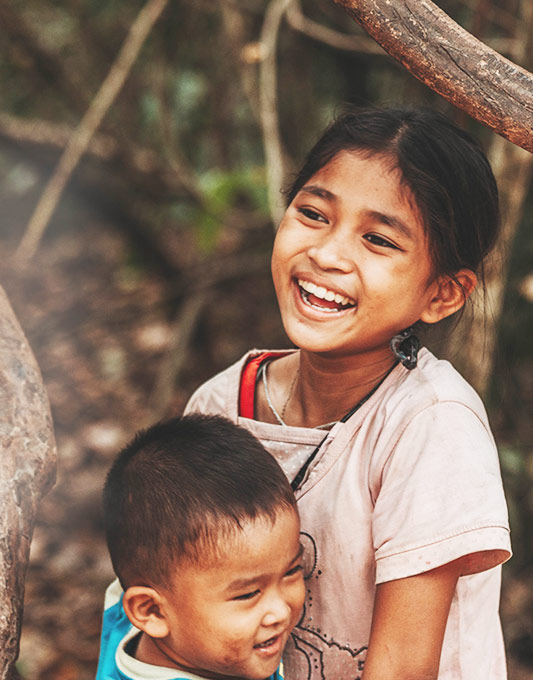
pixel 331 253
pixel 278 612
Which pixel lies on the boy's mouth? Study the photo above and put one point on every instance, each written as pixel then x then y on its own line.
pixel 322 298
pixel 272 647
pixel 267 643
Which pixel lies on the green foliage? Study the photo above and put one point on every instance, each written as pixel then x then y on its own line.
pixel 224 192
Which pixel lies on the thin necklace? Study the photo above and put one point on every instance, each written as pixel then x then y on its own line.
pixel 280 418
pixel 291 389
pixel 298 479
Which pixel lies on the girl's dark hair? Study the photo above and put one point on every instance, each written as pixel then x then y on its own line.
pixel 445 169
pixel 181 490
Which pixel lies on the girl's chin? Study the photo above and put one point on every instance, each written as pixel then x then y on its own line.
pixel 313 344
pixel 325 348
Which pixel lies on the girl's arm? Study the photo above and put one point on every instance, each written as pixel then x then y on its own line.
pixel 408 625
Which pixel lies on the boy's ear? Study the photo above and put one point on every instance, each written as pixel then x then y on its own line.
pixel 450 295
pixel 144 607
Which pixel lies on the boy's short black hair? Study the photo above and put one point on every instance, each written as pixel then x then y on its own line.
pixel 179 488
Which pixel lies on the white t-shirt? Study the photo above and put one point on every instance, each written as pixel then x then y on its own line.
pixel 409 483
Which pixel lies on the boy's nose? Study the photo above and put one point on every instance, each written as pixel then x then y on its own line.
pixel 278 612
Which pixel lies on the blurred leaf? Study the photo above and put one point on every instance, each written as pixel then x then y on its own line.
pixel 513 460
pixel 189 91
pixel 150 108
pixel 224 192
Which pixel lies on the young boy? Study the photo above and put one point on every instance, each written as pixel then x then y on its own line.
pixel 203 533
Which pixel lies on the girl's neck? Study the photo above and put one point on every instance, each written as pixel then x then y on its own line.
pixel 314 389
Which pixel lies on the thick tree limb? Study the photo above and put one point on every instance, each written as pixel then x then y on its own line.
pixel 89 124
pixel 452 62
pixel 472 345
pixel 27 471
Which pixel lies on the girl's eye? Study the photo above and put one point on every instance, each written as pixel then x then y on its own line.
pixel 380 241
pixel 312 215
pixel 294 570
pixel 247 596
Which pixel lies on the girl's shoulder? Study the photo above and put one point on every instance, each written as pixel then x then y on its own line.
pixel 433 382
pixel 220 394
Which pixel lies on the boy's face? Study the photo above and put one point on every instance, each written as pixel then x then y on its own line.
pixel 233 615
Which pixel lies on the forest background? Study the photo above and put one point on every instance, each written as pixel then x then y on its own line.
pixel 153 271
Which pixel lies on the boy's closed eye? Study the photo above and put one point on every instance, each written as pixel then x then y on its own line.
pixel 247 596
pixel 296 569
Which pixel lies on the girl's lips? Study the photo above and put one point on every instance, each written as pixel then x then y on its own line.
pixel 321 300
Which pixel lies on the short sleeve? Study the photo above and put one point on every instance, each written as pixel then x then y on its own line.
pixel 441 497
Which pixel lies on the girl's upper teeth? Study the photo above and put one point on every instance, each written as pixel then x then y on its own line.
pixel 325 293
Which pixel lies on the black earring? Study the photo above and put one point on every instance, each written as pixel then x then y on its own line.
pixel 405 347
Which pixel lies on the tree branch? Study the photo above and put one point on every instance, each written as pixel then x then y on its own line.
pixel 234 27
pixel 42 60
pixel 452 62
pixel 90 122
pixel 196 295
pixel 340 41
pixel 268 84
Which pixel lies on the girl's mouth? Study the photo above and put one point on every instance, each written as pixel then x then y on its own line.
pixel 322 298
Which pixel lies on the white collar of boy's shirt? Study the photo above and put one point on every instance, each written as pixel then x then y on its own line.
pixel 138 670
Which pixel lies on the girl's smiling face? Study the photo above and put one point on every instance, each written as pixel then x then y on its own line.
pixel 351 262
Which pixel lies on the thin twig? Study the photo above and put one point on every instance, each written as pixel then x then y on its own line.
pixel 39 132
pixel 274 154
pixel 90 122
pixel 199 292
pixel 233 25
pixel 341 41
pixel 182 331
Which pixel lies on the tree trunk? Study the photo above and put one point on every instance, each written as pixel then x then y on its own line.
pixel 27 471
pixel 452 62
pixel 472 344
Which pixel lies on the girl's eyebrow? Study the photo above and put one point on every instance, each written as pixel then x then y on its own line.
pixel 393 222
pixel 390 220
pixel 317 190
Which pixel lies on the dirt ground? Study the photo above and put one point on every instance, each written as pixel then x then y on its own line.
pixel 100 327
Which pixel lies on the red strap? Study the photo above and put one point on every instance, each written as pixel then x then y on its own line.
pixel 248 380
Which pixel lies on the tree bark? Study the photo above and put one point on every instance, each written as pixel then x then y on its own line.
pixel 453 63
pixel 27 471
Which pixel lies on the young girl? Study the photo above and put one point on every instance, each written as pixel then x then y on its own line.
pixel 389 450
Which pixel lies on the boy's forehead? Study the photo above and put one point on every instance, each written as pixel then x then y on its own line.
pixel 233 545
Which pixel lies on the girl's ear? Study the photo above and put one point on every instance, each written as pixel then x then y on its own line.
pixel 144 607
pixel 450 295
